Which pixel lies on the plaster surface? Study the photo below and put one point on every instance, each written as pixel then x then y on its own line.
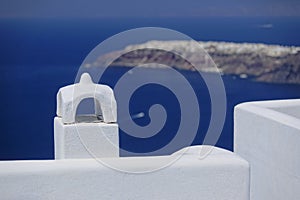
pixel 267 135
pixel 221 175
pixel 85 140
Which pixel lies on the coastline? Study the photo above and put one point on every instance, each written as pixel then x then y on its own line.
pixel 261 62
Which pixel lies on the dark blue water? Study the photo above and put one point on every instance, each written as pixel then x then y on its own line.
pixel 37 57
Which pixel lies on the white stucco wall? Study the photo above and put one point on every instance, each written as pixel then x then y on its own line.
pixel 222 175
pixel 85 140
pixel 267 135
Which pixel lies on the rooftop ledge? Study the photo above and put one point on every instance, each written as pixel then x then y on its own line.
pixel 221 175
pixel 267 135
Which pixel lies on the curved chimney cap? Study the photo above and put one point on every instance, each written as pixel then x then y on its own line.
pixel 69 97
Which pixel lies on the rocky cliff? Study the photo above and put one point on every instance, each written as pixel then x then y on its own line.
pixel 267 63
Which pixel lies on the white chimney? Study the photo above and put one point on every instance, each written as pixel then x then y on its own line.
pixel 95 135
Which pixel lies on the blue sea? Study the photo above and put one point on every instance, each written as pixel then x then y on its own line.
pixel 40 56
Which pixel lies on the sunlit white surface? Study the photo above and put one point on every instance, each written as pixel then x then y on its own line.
pixel 267 135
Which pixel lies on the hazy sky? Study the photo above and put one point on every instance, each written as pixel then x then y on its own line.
pixel 150 8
